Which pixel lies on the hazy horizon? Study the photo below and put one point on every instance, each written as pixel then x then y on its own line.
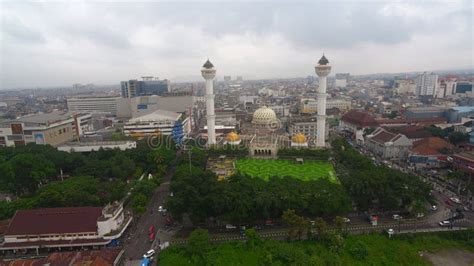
pixel 53 44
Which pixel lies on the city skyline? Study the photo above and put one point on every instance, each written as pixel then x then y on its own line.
pixel 46 44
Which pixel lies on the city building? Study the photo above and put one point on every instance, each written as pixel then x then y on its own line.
pixel 426 84
pixel 137 106
pixel 45 128
pixel 303 124
pixel 464 88
pixel 227 78
pixel 425 112
pixel 97 145
pixel 341 79
pixel 357 119
pixel 430 152
pixel 65 227
pixel 147 86
pixel 98 105
pixel 159 122
pixel 388 145
pixel 310 105
pixel 405 86
pixel 464 162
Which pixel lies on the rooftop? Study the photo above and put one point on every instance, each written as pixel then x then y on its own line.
pixel 158 115
pixel 435 143
pixel 54 221
pixel 323 61
pixel 360 118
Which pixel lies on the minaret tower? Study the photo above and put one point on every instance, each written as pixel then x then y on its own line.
pixel 208 73
pixel 322 70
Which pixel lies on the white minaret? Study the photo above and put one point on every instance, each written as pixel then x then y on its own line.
pixel 322 70
pixel 208 73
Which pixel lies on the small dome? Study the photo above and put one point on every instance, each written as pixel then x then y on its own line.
pixel 264 116
pixel 208 64
pixel 298 138
pixel 232 137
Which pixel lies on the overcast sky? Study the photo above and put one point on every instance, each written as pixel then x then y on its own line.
pixel 55 43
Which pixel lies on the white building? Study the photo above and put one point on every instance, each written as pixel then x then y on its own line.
pixel 405 86
pixel 341 79
pixel 159 122
pixel 99 105
pixel 388 145
pixel 310 105
pixel 95 146
pixel 426 84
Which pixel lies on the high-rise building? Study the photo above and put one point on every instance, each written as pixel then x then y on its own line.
pixel 426 84
pixel 145 87
pixel 341 80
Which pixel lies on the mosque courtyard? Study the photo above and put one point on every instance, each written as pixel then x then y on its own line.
pixel 307 170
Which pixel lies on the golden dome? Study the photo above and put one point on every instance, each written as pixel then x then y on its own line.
pixel 299 138
pixel 232 137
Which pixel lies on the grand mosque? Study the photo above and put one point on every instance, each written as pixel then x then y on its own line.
pixel 265 134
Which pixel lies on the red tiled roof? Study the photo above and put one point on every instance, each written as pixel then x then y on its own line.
pixel 424 150
pixel 103 257
pixel 54 221
pixel 434 143
pixel 54 243
pixel 411 132
pixel 359 118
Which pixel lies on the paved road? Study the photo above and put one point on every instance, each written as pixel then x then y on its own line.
pixel 138 243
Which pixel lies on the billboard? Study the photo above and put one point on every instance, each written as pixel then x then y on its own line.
pixel 39 137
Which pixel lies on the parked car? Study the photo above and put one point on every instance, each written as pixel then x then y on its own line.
pixel 445 223
pixel 229 226
pixel 434 208
pixel 160 208
pixel 455 200
pixel 346 220
pixel 149 253
pixel 420 215
pixel 396 217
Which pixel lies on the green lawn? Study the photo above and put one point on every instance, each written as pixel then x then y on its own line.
pixel 266 168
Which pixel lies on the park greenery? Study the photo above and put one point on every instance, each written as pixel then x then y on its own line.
pixel 40 176
pixel 242 198
pixel 331 249
pixel 377 188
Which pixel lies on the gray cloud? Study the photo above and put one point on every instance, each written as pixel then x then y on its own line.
pixel 173 38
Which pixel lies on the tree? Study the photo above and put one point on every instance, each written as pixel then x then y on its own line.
pixel 458 137
pixel 253 238
pixel 321 227
pixel 339 222
pixel 198 243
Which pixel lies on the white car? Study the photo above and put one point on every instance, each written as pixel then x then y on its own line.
pixel 149 253
pixel 161 209
pixel 229 226
pixel 346 220
pixel 420 215
pixel 444 223
pixel 390 231
pixel 434 208
pixel 455 200
pixel 396 217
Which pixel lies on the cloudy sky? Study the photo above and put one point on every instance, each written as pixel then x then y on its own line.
pixel 56 43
